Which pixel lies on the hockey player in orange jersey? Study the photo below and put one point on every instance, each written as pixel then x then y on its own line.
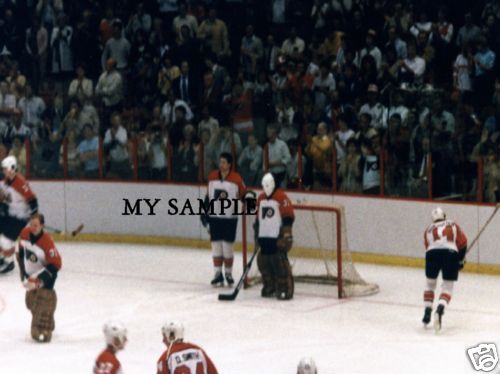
pixel 39 264
pixel 182 357
pixel 273 227
pixel 115 335
pixel 446 247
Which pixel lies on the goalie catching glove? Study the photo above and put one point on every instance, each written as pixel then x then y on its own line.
pixel 32 284
pixel 285 240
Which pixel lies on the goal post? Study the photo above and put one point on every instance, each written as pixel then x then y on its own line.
pixel 320 254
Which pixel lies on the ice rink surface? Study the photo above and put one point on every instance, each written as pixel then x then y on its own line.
pixel 145 285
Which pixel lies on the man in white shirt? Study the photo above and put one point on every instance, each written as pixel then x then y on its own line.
pixel 370 49
pixel 168 109
pixel 293 46
pixel 32 107
pixel 115 145
pixel 341 137
pixel 375 109
pixel 110 86
pixel 81 87
pixel 413 67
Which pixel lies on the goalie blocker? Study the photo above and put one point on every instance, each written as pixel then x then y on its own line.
pixel 39 264
pixel 273 228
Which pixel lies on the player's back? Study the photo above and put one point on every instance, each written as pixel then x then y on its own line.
pixel 444 234
pixel 107 363
pixel 185 358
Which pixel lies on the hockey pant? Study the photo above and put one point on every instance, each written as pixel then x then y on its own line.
pixel 276 274
pixel 42 303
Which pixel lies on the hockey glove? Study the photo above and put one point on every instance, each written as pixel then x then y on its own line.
pixel 250 199
pixel 461 258
pixel 32 284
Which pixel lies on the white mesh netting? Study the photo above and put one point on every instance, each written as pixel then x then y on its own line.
pixel 314 256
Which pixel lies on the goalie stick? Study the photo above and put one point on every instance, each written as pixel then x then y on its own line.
pixel 232 296
pixel 75 232
pixel 483 228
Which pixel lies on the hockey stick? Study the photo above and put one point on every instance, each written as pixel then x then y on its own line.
pixel 55 230
pixel 483 228
pixel 232 296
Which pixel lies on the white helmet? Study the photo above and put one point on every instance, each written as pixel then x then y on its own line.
pixel 307 366
pixel 438 214
pixel 268 184
pixel 114 330
pixel 173 330
pixel 9 163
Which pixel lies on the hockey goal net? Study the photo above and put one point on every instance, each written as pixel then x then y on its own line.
pixel 320 253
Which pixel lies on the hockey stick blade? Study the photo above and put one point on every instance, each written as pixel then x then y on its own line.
pixel 78 230
pixel 232 296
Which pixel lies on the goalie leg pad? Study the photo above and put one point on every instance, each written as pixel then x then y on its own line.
pixel 43 324
pixel 284 278
pixel 30 299
pixel 264 263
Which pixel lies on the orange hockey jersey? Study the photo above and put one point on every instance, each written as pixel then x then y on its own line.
pixel 232 188
pixel 19 197
pixel 185 358
pixel 107 363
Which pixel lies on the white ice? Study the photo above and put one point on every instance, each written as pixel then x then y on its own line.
pixel 144 286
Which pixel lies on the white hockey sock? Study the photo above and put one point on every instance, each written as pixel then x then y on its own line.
pixel 217 270
pixel 227 250
pixel 446 292
pixel 429 292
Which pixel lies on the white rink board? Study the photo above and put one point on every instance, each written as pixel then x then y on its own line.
pixel 145 285
pixel 374 225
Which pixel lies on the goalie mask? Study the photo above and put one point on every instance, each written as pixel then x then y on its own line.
pixel 173 331
pixel 115 334
pixel 438 214
pixel 307 366
pixel 9 163
pixel 268 184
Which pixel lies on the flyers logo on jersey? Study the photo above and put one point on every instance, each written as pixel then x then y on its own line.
pixel 220 194
pixel 267 212
pixel 30 256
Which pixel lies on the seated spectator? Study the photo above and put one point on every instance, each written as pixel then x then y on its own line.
pixel 289 128
pixel 276 156
pixel 208 123
pixel 116 149
pixel 319 149
pixel 462 70
pixel 81 87
pixel 323 85
pixel 250 161
pixel 88 153
pixel 169 109
pixel 228 141
pixel 350 168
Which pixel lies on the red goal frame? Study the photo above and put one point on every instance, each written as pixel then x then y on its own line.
pixel 312 207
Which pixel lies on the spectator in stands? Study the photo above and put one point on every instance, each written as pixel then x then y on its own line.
pixel 186 86
pixel 19 152
pixel 117 48
pixel 110 89
pixel 342 136
pixel 167 75
pixel 168 110
pixel 412 68
pixel 116 149
pixel 293 176
pixel 88 151
pixel 19 128
pixel 157 154
pixel 207 141
pixel 184 19
pixel 484 62
pixel 349 169
pixel 293 46
pixel 251 51
pixel 214 35
pixel 208 122
pixel 250 161
pixel 184 168
pixel 70 152
pixel 492 175
pixel 60 43
pixel 468 33
pixel 37 41
pixel 319 149
pixel 278 156
pixel 370 49
pixel 396 43
pixel 139 21
pixel 81 87
pixel 33 107
pixel 374 108
pixel 370 166
pixel 323 85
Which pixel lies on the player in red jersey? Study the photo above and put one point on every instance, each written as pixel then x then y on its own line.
pixel 182 357
pixel 115 335
pixel 225 187
pixel 274 222
pixel 39 264
pixel 446 247
pixel 18 204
